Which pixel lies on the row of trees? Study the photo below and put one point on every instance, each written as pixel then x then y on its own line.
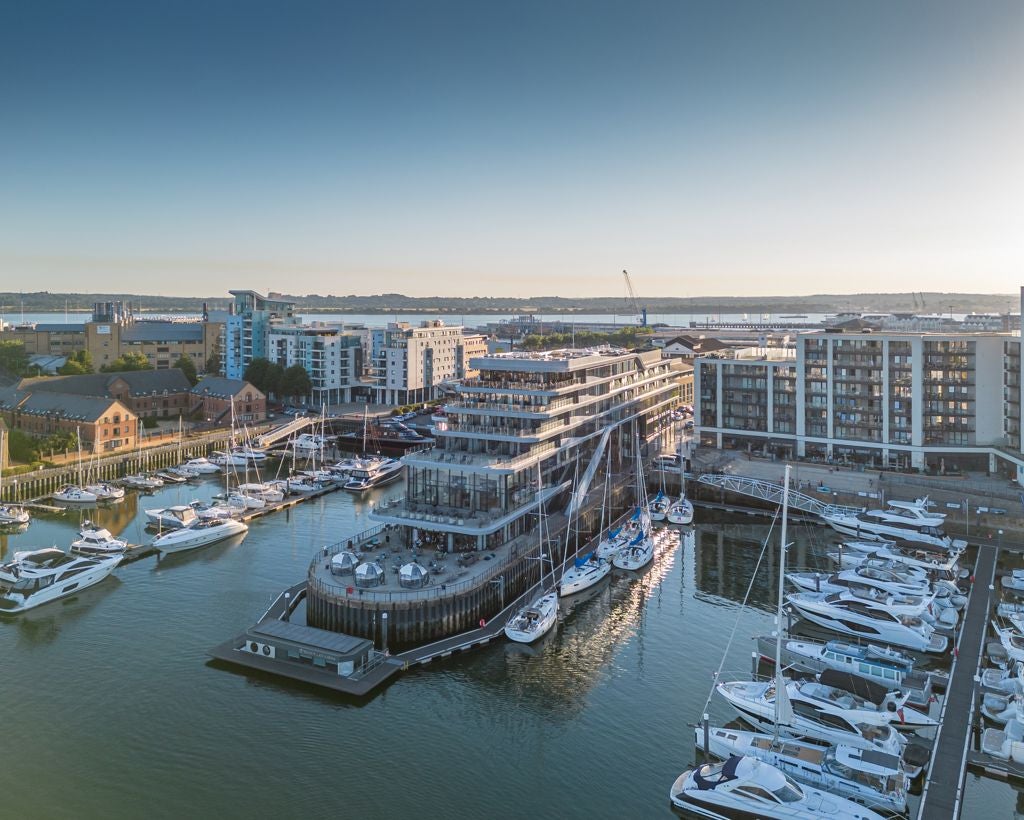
pixel 629 337
pixel 27 449
pixel 277 381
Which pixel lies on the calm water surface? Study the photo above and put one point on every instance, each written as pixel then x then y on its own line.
pixel 112 710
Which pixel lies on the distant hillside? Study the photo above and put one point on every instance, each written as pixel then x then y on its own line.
pixel 397 303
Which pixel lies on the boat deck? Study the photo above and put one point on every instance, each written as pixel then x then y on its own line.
pixel 943 791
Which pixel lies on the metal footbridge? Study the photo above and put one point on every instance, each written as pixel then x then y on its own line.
pixel 285 430
pixel 772 493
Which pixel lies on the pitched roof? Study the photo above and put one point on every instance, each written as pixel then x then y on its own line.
pixel 140 383
pixel 698 345
pixel 221 387
pixel 64 405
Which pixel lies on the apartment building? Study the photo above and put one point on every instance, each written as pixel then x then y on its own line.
pixel 474 345
pixel 409 362
pixel 247 328
pixel 929 401
pixel 332 356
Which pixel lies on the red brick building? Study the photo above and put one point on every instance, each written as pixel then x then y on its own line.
pixel 213 397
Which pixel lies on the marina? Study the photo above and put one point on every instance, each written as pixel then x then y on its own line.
pixel 631 623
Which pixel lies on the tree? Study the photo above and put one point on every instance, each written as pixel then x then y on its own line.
pixel 268 376
pixel 77 364
pixel 13 358
pixel 256 373
pixel 295 382
pixel 188 367
pixel 127 362
pixel 212 366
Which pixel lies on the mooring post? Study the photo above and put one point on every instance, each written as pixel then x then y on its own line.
pixel 707 737
pixel 754 657
pixel 384 632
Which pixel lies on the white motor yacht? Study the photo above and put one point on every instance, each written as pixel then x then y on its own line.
pixel 104 491
pixel 172 518
pixel 681 511
pixel 220 460
pixel 139 481
pixel 201 465
pixel 819 720
pixel 658 506
pixel 868 620
pixel 867 776
pixel 637 554
pixel 533 622
pixel 70 494
pixel 1012 641
pixel 932 560
pixel 199 534
pixel 94 540
pixel 251 455
pixel 904 520
pixel 583 574
pixel 374 475
pixel 11 514
pixel 41 576
pixel 887 580
pixel 887 667
pixel 310 442
pixel 744 787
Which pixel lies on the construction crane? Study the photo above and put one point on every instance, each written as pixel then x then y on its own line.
pixel 641 312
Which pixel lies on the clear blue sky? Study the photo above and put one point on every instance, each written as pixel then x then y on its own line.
pixel 513 148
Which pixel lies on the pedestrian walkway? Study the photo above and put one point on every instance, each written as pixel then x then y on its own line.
pixel 943 789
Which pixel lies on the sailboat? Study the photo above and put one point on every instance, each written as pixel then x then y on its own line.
pixel 9 513
pixel 73 493
pixel 533 622
pixel 591 568
pixel 639 551
pixel 681 510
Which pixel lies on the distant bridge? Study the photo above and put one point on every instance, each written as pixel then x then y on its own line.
pixel 767 491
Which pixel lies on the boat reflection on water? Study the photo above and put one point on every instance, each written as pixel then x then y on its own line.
pixel 550 676
pixel 43 624
pixel 726 555
pixel 7 548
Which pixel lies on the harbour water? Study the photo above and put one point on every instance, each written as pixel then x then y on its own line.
pixel 113 710
pixel 469 320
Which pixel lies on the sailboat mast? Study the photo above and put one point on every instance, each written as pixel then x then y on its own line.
pixel 365 415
